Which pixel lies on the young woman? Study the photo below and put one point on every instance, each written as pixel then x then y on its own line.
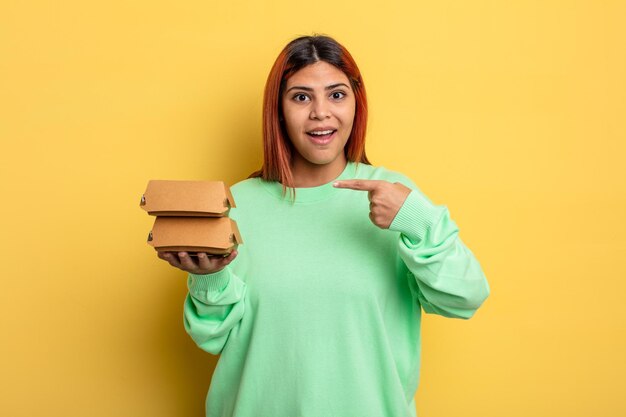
pixel 319 313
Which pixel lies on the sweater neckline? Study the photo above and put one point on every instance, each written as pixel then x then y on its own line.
pixel 310 194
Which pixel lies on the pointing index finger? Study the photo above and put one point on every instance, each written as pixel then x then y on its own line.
pixel 361 185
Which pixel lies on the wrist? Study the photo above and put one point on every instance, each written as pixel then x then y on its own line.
pixel 212 281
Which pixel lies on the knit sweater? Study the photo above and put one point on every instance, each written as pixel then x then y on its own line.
pixel 319 314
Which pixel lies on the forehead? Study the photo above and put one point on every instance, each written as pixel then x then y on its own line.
pixel 318 75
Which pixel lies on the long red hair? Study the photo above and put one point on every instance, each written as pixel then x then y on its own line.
pixel 277 148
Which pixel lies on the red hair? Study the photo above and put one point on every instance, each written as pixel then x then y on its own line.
pixel 277 148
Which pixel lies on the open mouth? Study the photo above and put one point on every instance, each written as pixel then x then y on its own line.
pixel 321 137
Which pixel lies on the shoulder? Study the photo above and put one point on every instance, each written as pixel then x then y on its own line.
pixel 247 184
pixel 250 196
pixel 246 188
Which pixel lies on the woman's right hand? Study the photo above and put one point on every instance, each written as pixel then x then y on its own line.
pixel 203 265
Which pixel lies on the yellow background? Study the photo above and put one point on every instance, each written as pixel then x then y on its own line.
pixel 510 113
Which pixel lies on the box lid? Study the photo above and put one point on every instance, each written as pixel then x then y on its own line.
pixel 187 198
pixel 217 235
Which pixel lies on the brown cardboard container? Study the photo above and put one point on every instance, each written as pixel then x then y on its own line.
pixel 187 198
pixel 216 236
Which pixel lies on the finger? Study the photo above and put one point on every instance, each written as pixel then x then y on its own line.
pixel 170 258
pixel 217 264
pixel 360 185
pixel 231 257
pixel 378 221
pixel 222 262
pixel 203 261
pixel 186 262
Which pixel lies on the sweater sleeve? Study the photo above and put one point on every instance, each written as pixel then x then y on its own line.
pixel 450 281
pixel 214 306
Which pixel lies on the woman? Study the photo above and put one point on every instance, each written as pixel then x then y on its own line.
pixel 319 314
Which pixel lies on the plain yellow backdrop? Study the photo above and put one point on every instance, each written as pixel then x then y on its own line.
pixel 509 113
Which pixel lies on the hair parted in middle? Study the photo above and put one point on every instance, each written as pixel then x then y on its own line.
pixel 299 53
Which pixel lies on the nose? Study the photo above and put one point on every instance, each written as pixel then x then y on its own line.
pixel 319 110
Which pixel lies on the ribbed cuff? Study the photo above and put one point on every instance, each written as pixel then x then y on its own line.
pixel 201 284
pixel 415 217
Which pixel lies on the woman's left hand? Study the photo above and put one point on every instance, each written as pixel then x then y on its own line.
pixel 385 197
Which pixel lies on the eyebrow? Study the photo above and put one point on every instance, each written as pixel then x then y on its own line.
pixel 330 87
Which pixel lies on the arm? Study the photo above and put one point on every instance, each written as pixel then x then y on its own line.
pixel 450 281
pixel 448 278
pixel 213 307
pixel 215 302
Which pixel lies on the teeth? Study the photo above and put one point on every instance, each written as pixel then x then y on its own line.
pixel 321 133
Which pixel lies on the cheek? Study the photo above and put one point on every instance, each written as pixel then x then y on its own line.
pixel 291 124
pixel 350 112
pixel 295 119
pixel 348 117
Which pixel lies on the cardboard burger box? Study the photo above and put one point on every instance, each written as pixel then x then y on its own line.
pixel 191 216
pixel 187 198
pixel 215 236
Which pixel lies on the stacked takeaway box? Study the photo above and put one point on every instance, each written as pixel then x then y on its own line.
pixel 191 216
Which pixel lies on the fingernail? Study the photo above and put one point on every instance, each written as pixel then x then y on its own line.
pixel 335 184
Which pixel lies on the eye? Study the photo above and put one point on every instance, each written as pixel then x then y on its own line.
pixel 300 97
pixel 337 95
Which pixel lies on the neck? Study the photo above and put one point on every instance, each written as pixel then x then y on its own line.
pixel 307 174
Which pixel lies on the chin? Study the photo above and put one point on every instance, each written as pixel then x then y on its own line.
pixel 321 160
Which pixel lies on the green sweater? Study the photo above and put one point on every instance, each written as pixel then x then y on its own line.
pixel 319 314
